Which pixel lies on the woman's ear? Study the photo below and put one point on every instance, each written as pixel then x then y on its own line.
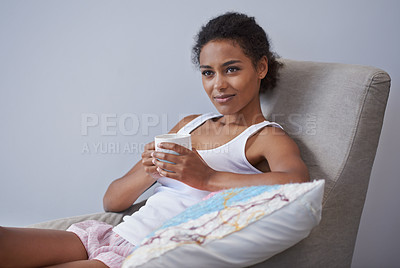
pixel 262 67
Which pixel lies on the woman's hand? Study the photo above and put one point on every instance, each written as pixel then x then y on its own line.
pixel 147 161
pixel 187 167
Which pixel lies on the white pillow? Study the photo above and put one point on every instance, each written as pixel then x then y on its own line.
pixel 234 228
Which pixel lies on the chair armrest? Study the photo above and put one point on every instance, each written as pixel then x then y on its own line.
pixel 107 217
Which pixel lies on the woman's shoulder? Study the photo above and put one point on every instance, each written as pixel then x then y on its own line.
pixel 274 138
pixel 183 122
pixel 189 118
pixel 272 130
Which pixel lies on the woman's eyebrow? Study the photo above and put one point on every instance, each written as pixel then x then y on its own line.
pixel 230 62
pixel 223 65
pixel 205 67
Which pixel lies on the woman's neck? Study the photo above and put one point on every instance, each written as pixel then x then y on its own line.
pixel 241 119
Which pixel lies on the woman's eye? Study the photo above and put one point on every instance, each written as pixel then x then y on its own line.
pixel 207 73
pixel 232 69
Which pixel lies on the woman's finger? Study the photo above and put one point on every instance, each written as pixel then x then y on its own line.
pixel 174 147
pixel 167 157
pixel 168 166
pixel 147 154
pixel 167 174
pixel 150 169
pixel 147 162
pixel 149 146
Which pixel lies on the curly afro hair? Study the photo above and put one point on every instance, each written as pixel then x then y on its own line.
pixel 243 30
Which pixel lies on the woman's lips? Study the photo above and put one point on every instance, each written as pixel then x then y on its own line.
pixel 224 98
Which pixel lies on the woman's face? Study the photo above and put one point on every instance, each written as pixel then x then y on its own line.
pixel 230 78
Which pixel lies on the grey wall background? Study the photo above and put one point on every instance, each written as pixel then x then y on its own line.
pixel 127 63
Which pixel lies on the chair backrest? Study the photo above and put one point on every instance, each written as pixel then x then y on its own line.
pixel 334 112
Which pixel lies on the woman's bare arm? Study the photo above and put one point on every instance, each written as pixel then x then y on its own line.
pixel 283 157
pixel 123 192
pixel 273 144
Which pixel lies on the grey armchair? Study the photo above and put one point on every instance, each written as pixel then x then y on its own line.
pixel 334 112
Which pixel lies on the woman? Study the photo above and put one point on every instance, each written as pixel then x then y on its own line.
pixel 234 148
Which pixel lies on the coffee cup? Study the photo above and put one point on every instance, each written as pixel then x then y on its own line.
pixel 181 139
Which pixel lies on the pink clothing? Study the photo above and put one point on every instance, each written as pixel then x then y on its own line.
pixel 102 243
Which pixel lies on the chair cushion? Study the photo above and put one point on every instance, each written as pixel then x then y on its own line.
pixel 234 228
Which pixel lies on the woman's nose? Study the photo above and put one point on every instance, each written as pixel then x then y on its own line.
pixel 220 82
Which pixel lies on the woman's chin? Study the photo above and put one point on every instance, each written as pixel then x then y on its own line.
pixel 225 110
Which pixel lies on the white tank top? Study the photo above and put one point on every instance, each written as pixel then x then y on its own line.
pixel 173 196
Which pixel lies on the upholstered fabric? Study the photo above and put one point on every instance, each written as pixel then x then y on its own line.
pixel 107 217
pixel 334 112
pixel 234 228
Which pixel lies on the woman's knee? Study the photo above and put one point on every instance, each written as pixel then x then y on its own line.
pixel 2 237
pixel 3 244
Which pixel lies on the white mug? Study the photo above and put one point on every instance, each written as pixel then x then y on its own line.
pixel 181 139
